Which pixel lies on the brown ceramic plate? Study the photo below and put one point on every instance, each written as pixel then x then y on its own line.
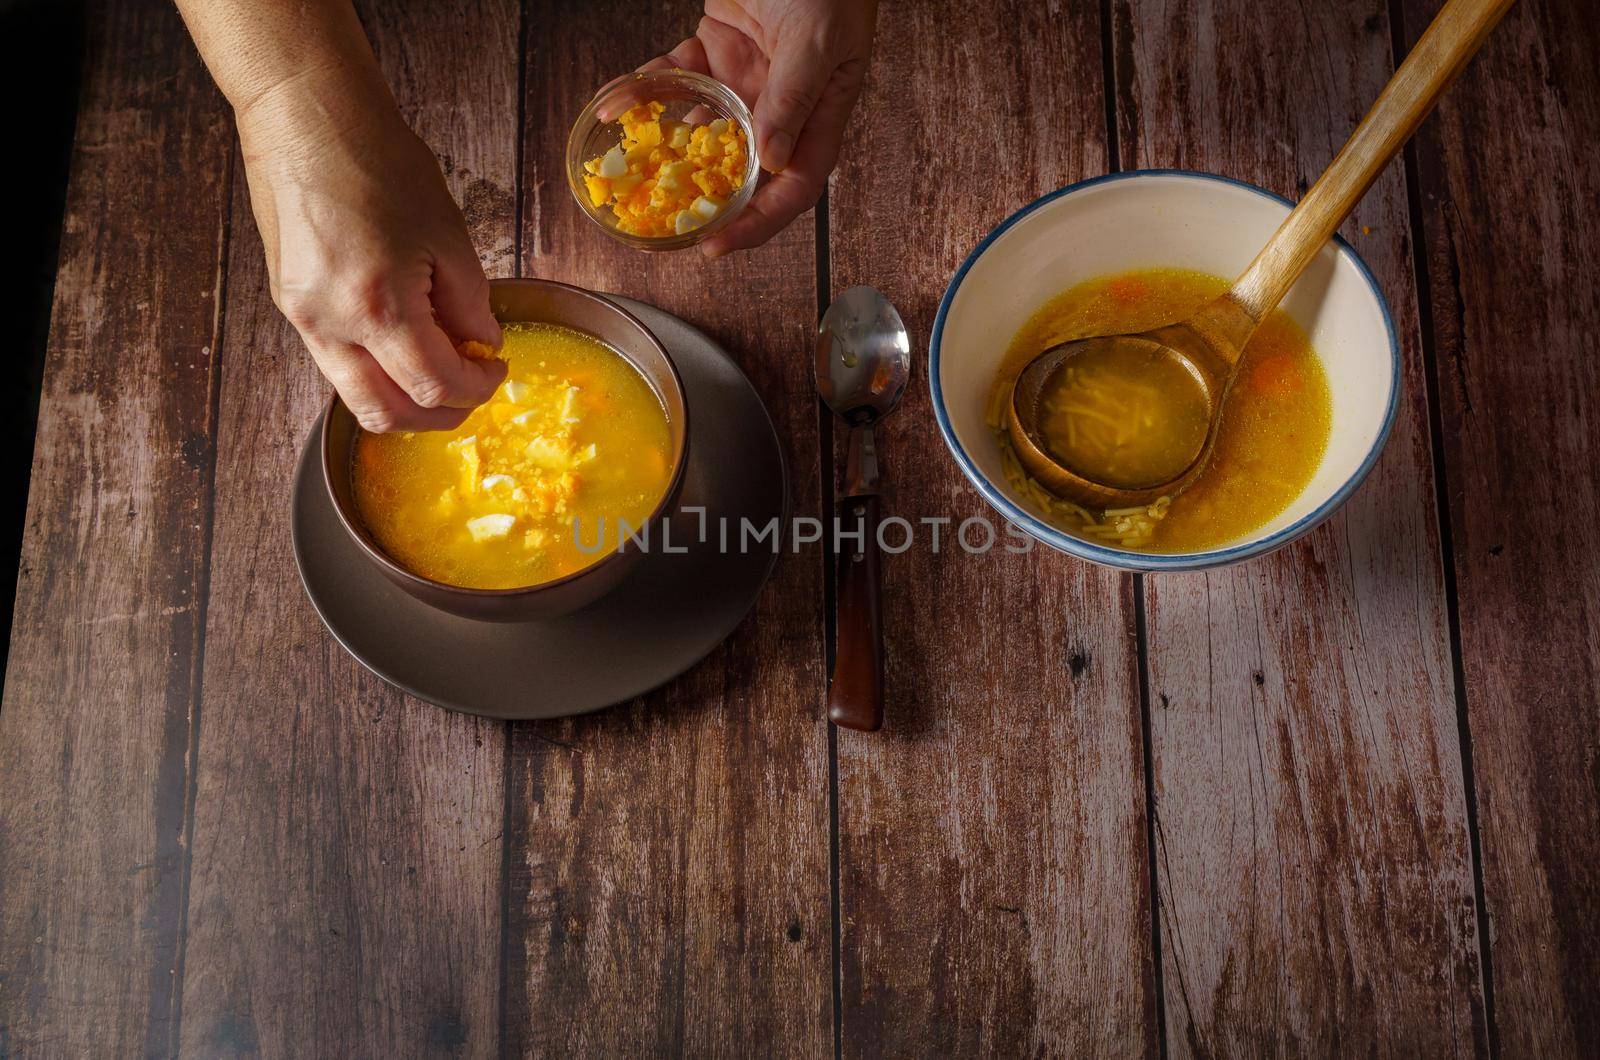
pixel 667 615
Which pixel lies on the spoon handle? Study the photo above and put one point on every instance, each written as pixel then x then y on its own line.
pixel 855 695
pixel 1453 38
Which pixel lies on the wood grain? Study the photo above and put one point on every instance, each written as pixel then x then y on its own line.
pixel 669 858
pixel 345 897
pixel 992 845
pixel 1311 837
pixel 1403 103
pixel 101 681
pixel 1510 196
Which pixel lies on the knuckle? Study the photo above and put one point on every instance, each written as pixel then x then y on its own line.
pixel 372 300
pixel 299 306
pixel 428 391
pixel 795 101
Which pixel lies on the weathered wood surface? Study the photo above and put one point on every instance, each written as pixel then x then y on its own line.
pixel 370 876
pixel 992 845
pixel 346 889
pixel 1510 194
pixel 669 858
pixel 101 680
pixel 1314 866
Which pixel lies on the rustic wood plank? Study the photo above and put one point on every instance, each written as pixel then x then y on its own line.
pixel 346 894
pixel 992 841
pixel 1510 195
pixel 1314 863
pixel 669 858
pixel 101 682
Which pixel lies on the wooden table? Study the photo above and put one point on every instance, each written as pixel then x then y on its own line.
pixel 1340 801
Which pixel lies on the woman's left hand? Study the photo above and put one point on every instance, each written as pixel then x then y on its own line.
pixel 802 64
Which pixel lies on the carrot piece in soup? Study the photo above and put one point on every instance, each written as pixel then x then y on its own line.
pixel 1276 376
pixel 1128 288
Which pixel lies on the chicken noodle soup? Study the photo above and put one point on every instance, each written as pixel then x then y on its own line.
pixel 1274 428
pixel 572 442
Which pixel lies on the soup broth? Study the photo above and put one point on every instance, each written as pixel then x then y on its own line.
pixel 1274 428
pixel 572 442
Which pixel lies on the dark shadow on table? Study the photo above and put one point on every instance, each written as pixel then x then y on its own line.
pixel 41 65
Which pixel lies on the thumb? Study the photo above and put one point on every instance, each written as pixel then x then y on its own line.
pixel 460 297
pixel 795 80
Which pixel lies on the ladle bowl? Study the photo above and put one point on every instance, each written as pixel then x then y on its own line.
pixel 1208 363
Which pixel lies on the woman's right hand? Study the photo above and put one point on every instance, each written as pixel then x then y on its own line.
pixel 367 252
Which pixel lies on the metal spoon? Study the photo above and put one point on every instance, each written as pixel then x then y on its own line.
pixel 1208 345
pixel 863 363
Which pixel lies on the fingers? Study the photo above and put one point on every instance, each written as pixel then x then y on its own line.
pixel 461 298
pixel 376 401
pixel 390 359
pixel 716 50
pixel 775 204
pixel 386 341
pixel 795 190
pixel 689 55
pixel 799 73
pixel 423 362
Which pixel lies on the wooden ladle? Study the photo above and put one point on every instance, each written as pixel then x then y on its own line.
pixel 1207 346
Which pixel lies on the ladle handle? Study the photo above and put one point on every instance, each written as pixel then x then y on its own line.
pixel 1453 38
pixel 855 695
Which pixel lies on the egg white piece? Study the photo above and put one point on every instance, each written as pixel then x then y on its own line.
pixel 614 164
pixel 491 527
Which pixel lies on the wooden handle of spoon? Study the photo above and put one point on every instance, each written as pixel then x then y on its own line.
pixel 1445 47
pixel 855 695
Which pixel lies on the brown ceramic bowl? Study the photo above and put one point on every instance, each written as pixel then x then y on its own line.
pixel 546 302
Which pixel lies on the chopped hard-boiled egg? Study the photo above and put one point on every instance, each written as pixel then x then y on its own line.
pixel 613 164
pixel 531 456
pixel 546 453
pixel 471 462
pixel 528 460
pixel 474 350
pixel 491 527
pixel 667 177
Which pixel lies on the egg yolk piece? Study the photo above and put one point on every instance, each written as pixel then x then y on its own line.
pixel 667 178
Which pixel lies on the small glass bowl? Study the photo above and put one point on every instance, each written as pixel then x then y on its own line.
pixel 683 93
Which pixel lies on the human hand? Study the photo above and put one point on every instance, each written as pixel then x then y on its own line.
pixel 368 254
pixel 800 64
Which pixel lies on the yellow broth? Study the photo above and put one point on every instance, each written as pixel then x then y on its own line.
pixel 574 441
pixel 1274 428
